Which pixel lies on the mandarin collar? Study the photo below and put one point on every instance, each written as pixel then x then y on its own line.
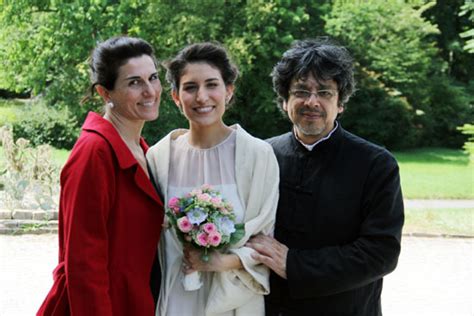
pixel 336 134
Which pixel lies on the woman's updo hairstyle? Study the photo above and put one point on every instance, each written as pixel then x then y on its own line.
pixel 110 55
pixel 210 53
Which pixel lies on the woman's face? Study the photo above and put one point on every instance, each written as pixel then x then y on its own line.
pixel 137 90
pixel 202 94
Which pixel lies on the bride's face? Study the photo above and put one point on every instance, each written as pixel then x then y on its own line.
pixel 202 94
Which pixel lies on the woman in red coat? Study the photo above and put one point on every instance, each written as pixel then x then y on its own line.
pixel 109 210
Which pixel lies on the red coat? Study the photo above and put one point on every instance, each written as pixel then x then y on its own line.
pixel 110 220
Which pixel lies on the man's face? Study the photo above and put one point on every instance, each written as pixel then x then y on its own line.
pixel 313 115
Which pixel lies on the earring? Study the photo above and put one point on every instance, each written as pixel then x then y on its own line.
pixel 110 104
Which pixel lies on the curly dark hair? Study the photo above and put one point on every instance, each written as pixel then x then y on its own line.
pixel 321 57
pixel 210 53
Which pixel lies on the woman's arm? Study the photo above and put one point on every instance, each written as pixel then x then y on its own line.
pixel 88 184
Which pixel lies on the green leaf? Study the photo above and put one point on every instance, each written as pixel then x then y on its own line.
pixel 238 234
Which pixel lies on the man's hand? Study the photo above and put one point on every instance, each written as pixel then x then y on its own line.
pixel 270 252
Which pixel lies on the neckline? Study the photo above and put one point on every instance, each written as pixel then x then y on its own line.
pixel 185 139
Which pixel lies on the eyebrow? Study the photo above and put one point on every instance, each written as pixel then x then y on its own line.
pixel 138 77
pixel 132 78
pixel 300 86
pixel 304 86
pixel 193 82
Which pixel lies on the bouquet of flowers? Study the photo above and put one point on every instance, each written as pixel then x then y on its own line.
pixel 205 220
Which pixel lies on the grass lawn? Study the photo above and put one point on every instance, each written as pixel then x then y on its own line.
pixel 60 156
pixel 459 221
pixel 426 174
pixel 436 173
pixel 9 110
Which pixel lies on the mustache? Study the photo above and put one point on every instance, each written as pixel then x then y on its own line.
pixel 303 111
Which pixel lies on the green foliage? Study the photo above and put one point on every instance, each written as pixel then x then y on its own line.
pixel 7 115
pixel 468 10
pixel 27 172
pixel 238 234
pixel 452 22
pixel 451 107
pixel 9 111
pixel 378 116
pixel 435 173
pixel 256 34
pixel 393 45
pixel 44 46
pixel 41 124
pixel 468 129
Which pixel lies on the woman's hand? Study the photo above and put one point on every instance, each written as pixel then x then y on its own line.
pixel 218 262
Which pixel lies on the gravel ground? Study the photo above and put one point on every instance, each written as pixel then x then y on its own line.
pixel 434 276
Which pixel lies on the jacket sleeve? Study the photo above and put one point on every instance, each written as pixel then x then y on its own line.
pixel 88 186
pixel 263 198
pixel 335 269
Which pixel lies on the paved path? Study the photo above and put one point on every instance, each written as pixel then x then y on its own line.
pixel 434 276
pixel 439 204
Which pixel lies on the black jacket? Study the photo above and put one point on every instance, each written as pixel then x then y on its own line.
pixel 341 215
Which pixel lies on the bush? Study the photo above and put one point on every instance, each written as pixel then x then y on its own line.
pixel 42 124
pixel 450 107
pixel 9 109
pixel 376 115
pixel 7 115
pixel 29 177
pixel 468 129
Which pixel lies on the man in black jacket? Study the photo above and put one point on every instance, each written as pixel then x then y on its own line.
pixel 340 212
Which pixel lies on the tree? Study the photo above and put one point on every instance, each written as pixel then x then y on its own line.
pixel 394 45
pixel 452 19
pixel 44 46
pixel 468 10
pixel 53 40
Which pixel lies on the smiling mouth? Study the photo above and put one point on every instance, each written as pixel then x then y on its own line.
pixel 204 109
pixel 148 104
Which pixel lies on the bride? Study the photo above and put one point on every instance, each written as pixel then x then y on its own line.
pixel 243 168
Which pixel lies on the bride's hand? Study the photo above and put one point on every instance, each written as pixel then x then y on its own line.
pixel 218 262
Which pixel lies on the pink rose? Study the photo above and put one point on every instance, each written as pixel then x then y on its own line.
pixel 173 204
pixel 204 197
pixel 196 192
pixel 214 239
pixel 209 228
pixel 184 224
pixel 224 210
pixel 202 239
pixel 206 187
pixel 216 201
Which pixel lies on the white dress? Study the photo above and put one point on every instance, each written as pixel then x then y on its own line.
pixel 189 169
pixel 252 164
